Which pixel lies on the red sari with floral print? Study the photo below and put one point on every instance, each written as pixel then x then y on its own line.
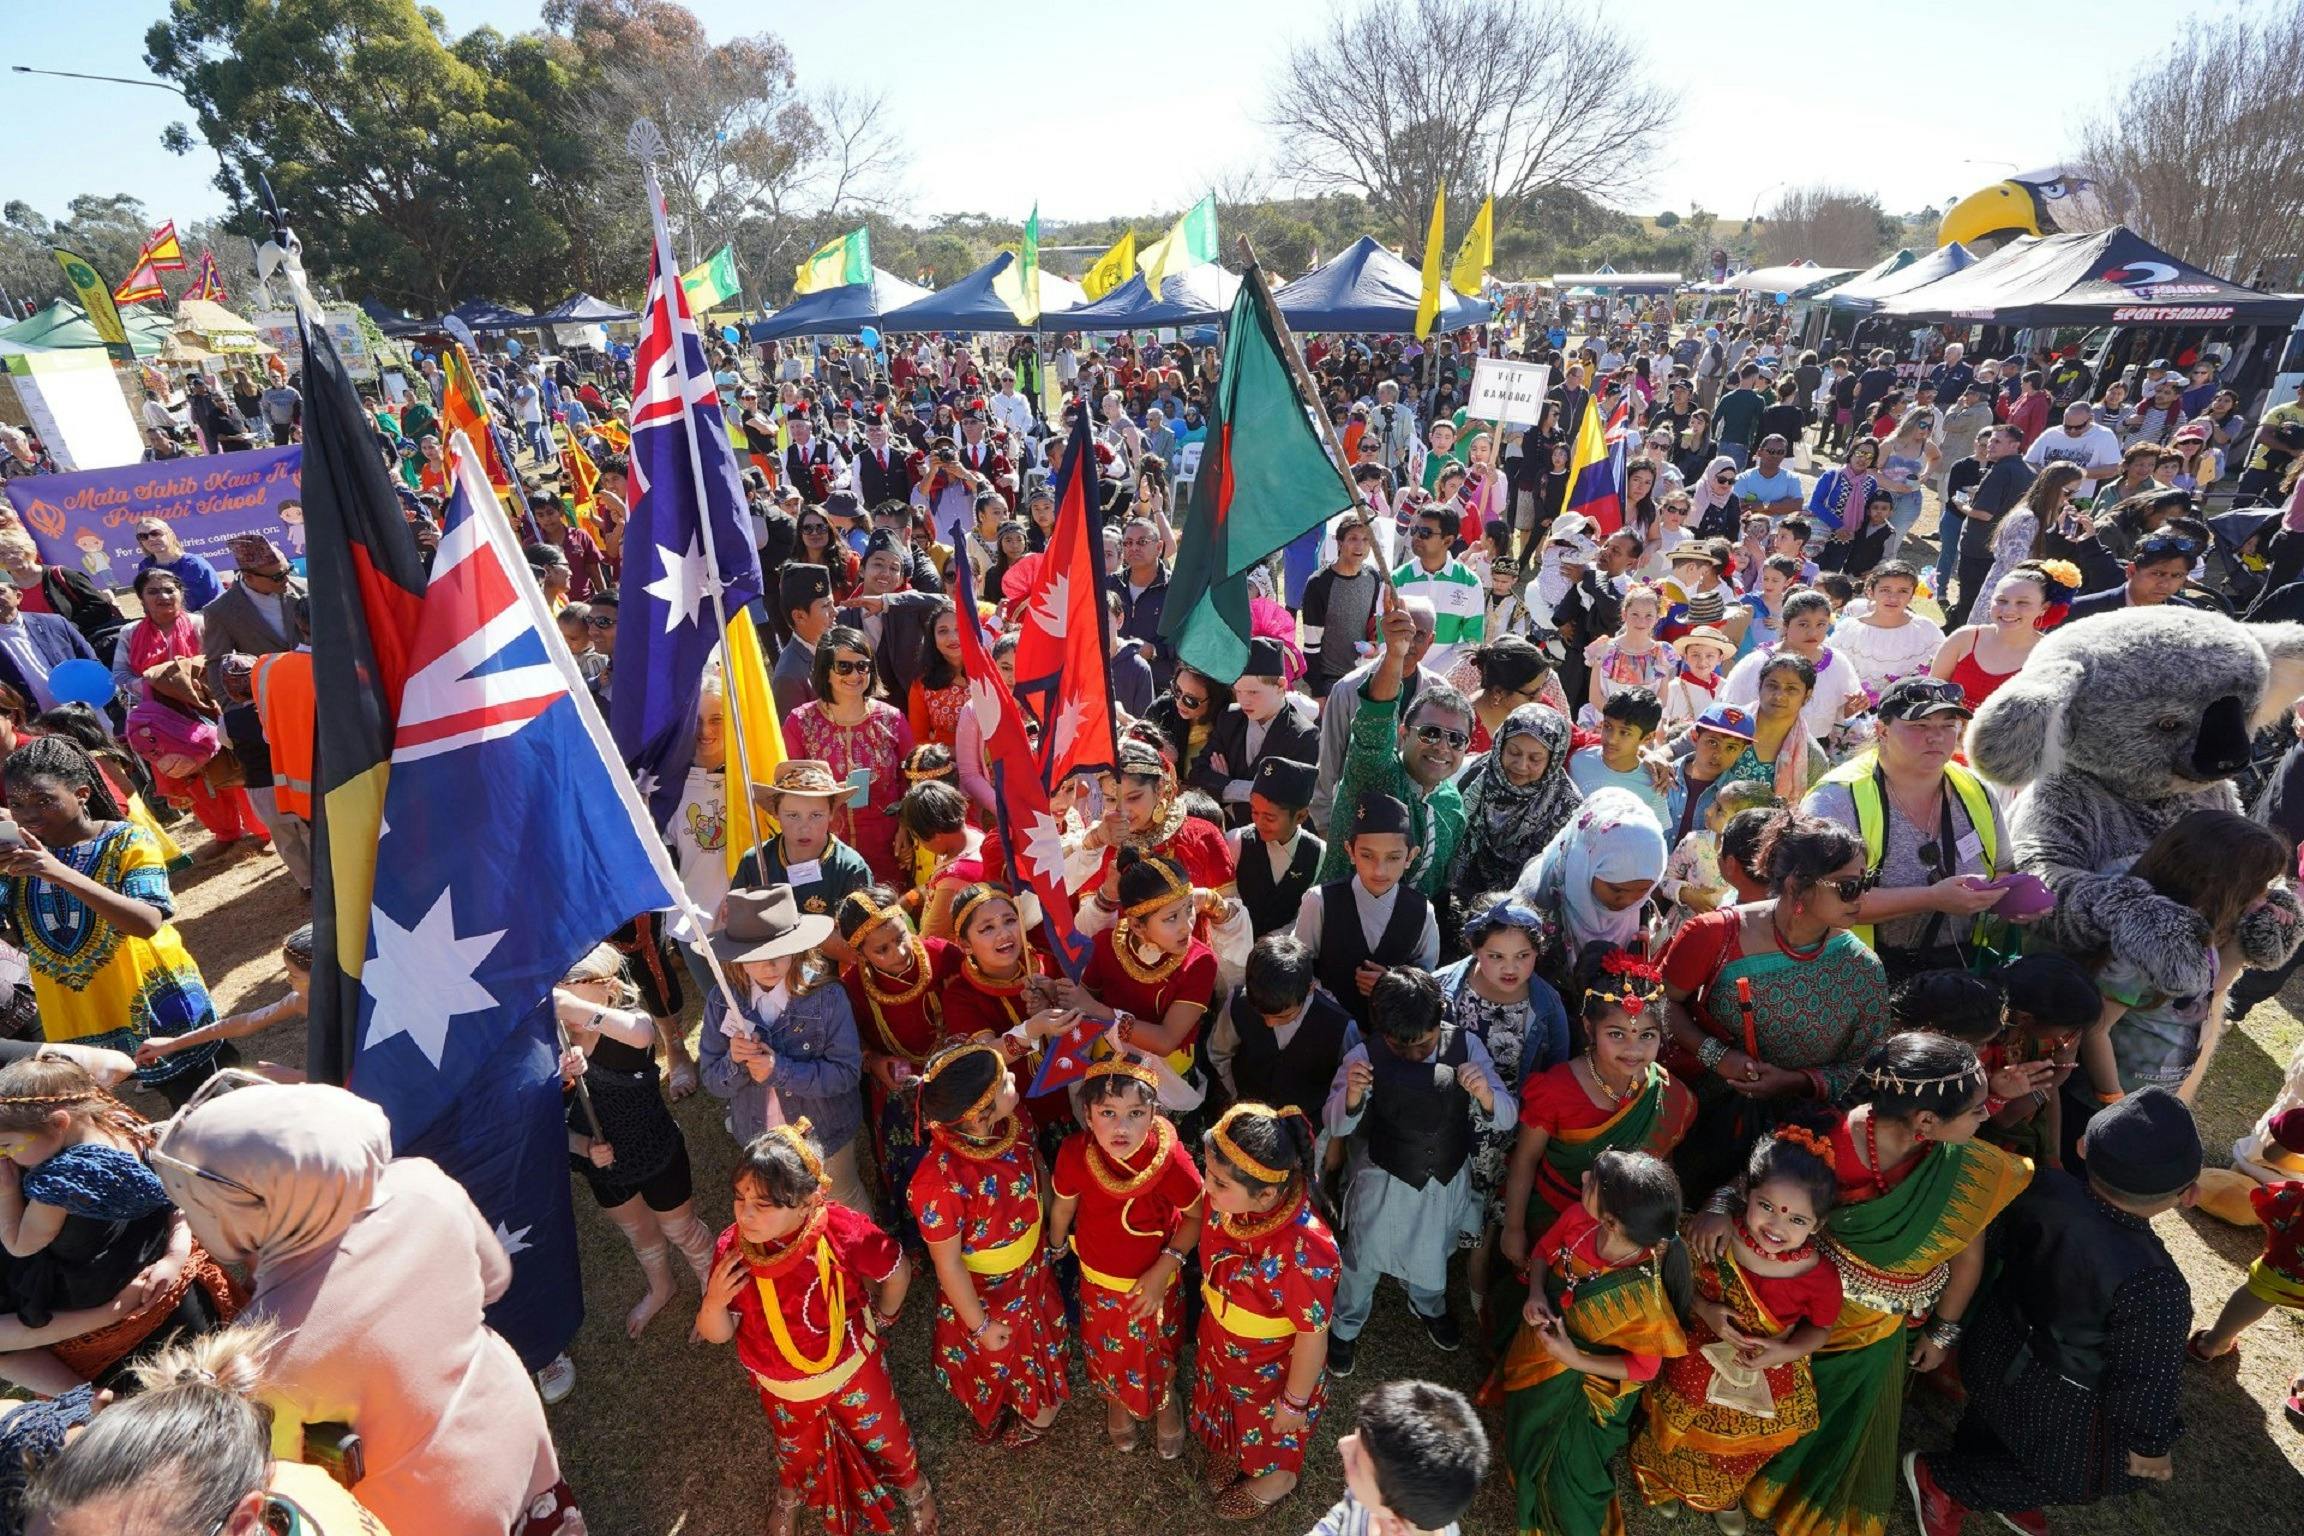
pixel 804 1330
pixel 1263 1285
pixel 1128 1211
pixel 988 1199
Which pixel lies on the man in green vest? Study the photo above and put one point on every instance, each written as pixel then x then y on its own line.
pixel 1933 836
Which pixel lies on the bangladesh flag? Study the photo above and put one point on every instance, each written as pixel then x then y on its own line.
pixel 1265 478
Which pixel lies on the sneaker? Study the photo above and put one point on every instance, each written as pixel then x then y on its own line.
pixel 2029 1522
pixel 557 1380
pixel 1938 1512
pixel 1446 1334
pixel 1340 1352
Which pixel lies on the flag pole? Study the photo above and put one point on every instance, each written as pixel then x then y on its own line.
pixel 646 143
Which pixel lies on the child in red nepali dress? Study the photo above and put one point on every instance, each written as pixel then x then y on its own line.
pixel 1150 974
pixel 1128 1197
pixel 805 1286
pixel 976 1195
pixel 1744 1391
pixel 1001 996
pixel 896 988
pixel 1617 1096
pixel 1270 1269
pixel 1607 1286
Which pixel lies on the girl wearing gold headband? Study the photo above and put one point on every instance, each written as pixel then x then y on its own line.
pixel 1128 1197
pixel 976 1195
pixel 1000 993
pixel 1141 811
pixel 805 1287
pixel 896 988
pixel 1149 972
pixel 1269 1280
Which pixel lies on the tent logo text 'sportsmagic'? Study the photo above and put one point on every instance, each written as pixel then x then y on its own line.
pixel 2174 312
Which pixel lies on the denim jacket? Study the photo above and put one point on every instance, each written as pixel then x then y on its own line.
pixel 818 1066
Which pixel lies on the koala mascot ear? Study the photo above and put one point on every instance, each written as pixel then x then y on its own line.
pixel 2018 734
pixel 2284 649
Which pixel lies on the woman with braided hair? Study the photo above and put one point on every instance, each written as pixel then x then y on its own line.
pixel 1270 1269
pixel 999 1326
pixel 1915 1192
pixel 84 893
pixel 805 1287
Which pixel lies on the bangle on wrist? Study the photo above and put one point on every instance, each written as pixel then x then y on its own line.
pixel 977 1332
pixel 1178 1254
pixel 1710 1053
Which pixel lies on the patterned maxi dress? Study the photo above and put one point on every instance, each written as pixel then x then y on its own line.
pixel 1263 1285
pixel 1127 1213
pixel 988 1199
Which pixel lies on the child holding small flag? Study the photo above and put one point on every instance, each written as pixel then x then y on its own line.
pixel 999 1326
pixel 804 1287
pixel 1150 976
pixel 1128 1200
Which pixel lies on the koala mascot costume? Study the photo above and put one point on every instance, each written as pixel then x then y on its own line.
pixel 2117 727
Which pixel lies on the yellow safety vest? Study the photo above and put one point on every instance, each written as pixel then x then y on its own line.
pixel 1857 776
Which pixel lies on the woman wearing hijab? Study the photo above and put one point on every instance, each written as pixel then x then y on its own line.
pixel 1593 880
pixel 376 1271
pixel 1516 799
pixel 1715 510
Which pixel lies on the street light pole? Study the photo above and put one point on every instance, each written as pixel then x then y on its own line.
pixel 158 85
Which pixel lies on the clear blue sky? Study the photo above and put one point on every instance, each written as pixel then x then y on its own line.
pixel 1916 103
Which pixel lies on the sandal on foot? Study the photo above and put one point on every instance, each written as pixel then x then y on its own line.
pixel 920 1509
pixel 2199 1356
pixel 1170 1446
pixel 1021 1431
pixel 784 1515
pixel 1217 1475
pixel 1242 1502
pixel 1122 1429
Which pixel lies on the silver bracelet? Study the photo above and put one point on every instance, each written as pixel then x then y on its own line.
pixel 1711 1052
pixel 1944 1332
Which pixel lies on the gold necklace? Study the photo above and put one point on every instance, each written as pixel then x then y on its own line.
pixel 758 1260
pixel 1007 987
pixel 1124 947
pixel 980 1151
pixel 1249 1229
pixel 1121 1184
pixel 922 968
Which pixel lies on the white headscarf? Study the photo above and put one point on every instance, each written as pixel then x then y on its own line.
pixel 1614 837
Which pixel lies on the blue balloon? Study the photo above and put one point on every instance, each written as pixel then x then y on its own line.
pixel 81 681
pixel 1783 298
pixel 731 335
pixel 869 336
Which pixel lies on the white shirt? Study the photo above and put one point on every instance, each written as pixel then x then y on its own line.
pixel 2095 448
pixel 1375 916
pixel 1014 411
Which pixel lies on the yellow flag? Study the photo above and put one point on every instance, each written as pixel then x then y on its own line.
pixel 1112 268
pixel 751 710
pixel 1428 302
pixel 1477 254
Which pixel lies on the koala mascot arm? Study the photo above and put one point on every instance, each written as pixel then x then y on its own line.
pixel 2120 725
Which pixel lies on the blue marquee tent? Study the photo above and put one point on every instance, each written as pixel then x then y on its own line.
pixel 974 304
pixel 839 311
pixel 1864 294
pixel 488 315
pixel 1200 295
pixel 583 309
pixel 1367 288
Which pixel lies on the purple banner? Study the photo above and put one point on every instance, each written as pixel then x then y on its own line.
pixel 89 519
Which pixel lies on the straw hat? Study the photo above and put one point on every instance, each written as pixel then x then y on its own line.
pixel 807 776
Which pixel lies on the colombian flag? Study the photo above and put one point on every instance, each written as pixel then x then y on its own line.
pixel 1595 476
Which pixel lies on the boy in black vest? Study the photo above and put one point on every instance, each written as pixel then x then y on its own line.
pixel 1275 857
pixel 1372 919
pixel 1279 1040
pixel 2072 1360
pixel 1412 1102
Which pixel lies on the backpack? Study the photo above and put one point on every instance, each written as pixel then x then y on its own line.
pixel 173 742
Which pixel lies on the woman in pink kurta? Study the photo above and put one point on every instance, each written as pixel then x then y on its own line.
pixel 376 1271
pixel 848 728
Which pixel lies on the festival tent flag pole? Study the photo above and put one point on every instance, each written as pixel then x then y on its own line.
pixel 1019 286
pixel 161 252
pixel 1435 238
pixel 712 280
pixel 1268 475
pixel 95 297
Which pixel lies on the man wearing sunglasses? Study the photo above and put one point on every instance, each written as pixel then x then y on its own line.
pixel 1414 763
pixel 157 542
pixel 1432 572
pixel 1932 836
pixel 2157 571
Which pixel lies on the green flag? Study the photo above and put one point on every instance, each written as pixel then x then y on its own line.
pixel 1018 286
pixel 1189 243
pixel 1265 479
pixel 836 263
pixel 711 282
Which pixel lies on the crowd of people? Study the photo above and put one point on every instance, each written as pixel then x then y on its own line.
pixel 1600 895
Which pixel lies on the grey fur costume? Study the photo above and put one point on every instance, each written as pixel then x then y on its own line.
pixel 2119 725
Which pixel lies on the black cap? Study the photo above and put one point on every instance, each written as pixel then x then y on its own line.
pixel 1286 782
pixel 882 542
pixel 2146 1146
pixel 1379 813
pixel 800 585
pixel 1265 658
pixel 1918 698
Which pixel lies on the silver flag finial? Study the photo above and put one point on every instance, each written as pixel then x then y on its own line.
pixel 645 141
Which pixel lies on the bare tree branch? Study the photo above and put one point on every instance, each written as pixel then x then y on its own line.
pixel 1830 226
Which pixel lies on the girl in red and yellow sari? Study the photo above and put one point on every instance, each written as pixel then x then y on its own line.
pixel 1000 994
pixel 1269 1267
pixel 1744 1391
pixel 1606 1289
pixel 1128 1199
pixel 976 1195
pixel 1917 1191
pixel 1151 976
pixel 1142 812
pixel 896 990
pixel 805 1287
pixel 1614 1097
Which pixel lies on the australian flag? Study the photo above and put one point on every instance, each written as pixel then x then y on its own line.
pixel 684 482
pixel 511 844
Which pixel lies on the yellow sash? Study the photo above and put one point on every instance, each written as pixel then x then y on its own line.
pixel 810 1388
pixel 1008 1257
pixel 1109 1282
pixel 1242 1322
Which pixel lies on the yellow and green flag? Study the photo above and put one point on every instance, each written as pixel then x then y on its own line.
pixel 1112 268
pixel 1428 301
pixel 1019 286
pixel 1477 254
pixel 712 281
pixel 836 263
pixel 1189 243
pixel 95 297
